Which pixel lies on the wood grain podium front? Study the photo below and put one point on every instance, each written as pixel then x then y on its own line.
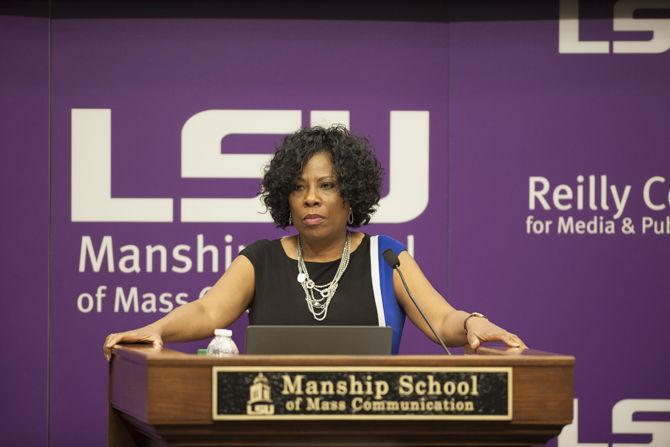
pixel 166 398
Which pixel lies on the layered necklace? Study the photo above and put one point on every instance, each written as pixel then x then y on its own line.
pixel 318 306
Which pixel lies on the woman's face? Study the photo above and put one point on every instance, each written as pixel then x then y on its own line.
pixel 317 208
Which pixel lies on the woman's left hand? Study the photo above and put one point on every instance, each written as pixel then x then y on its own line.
pixel 481 329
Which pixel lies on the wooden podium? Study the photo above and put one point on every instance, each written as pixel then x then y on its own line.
pixel 165 398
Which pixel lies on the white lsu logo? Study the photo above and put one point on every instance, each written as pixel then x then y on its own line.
pixel 623 20
pixel 201 157
pixel 623 422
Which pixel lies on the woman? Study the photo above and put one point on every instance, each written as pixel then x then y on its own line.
pixel 321 181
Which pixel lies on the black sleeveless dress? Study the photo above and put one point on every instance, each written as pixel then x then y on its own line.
pixel 280 300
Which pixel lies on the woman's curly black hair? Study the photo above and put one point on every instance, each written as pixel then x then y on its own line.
pixel 357 169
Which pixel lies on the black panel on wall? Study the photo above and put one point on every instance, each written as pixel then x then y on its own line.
pixel 27 8
pixel 398 10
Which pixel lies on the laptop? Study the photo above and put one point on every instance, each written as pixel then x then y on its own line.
pixel 333 340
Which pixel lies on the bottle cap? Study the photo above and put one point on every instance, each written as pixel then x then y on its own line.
pixel 224 332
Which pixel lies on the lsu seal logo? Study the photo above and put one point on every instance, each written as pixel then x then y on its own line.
pixel 260 401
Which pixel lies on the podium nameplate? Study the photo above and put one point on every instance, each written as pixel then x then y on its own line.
pixel 340 392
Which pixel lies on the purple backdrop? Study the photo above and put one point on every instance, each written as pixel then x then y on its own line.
pixel 518 109
pixel 504 106
pixel 24 197
pixel 154 75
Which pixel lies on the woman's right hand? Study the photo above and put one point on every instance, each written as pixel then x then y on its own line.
pixel 137 336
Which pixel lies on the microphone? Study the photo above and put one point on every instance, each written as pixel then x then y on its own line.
pixel 393 262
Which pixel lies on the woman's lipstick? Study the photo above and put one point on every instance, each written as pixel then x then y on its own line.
pixel 312 219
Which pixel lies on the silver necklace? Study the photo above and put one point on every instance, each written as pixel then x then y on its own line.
pixel 319 306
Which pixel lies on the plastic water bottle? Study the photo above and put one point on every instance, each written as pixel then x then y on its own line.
pixel 222 345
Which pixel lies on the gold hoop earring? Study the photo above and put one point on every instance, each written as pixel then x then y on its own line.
pixel 350 217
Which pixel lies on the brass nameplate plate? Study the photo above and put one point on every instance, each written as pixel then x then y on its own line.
pixel 341 392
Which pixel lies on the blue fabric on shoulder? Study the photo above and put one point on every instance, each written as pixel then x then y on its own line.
pixel 389 311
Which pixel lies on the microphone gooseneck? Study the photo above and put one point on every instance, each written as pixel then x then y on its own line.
pixel 394 262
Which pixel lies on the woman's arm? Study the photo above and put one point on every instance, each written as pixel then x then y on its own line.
pixel 447 321
pixel 220 306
